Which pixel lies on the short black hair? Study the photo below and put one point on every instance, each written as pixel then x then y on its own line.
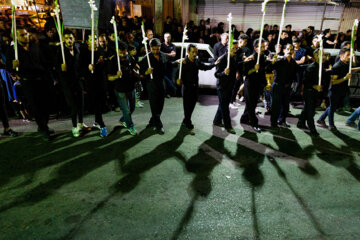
pixel 122 46
pixel 296 40
pixel 343 44
pixel 131 47
pixel 344 50
pixel 155 42
pixel 190 46
pixel 256 42
pixel 311 28
pixel 289 25
pixel 68 32
pixel 244 37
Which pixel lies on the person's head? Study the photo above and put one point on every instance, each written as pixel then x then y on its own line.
pixel 23 36
pixel 345 55
pixel 315 42
pixel 256 46
pixel 348 33
pixel 288 27
pixel 284 35
pixel 266 44
pixel 103 41
pixel 155 46
pixel 297 43
pixel 243 39
pixel 288 50
pixel 310 29
pixel 89 41
pixel 132 50
pixel 123 49
pixel 345 44
pixel 327 33
pixel 192 51
pixel 270 37
pixel 149 34
pixel 224 38
pixel 129 37
pixel 234 48
pixel 69 38
pixel 167 38
pixel 168 20
pixel 275 27
pixel 33 33
pixel 266 27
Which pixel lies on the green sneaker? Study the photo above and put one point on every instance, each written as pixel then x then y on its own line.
pixel 75 131
pixel 132 131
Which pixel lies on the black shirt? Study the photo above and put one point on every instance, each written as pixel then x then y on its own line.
pixel 219 50
pixel 33 63
pixel 226 81
pixel 285 71
pixel 340 69
pixel 127 81
pixel 190 72
pixel 256 79
pixel 159 67
pixel 311 75
pixel 71 78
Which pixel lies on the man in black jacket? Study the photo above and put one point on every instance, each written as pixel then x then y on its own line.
pixel 311 87
pixel 224 85
pixel 190 83
pixel 285 73
pixel 254 83
pixel 34 77
pixel 155 86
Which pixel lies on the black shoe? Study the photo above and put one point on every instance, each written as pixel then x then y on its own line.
pixel 51 131
pixel 231 130
pixel 219 124
pixel 191 131
pixel 332 128
pixel 274 127
pixel 321 123
pixel 284 125
pixel 257 129
pixel 314 133
pixel 160 130
pixel 301 125
pixel 10 133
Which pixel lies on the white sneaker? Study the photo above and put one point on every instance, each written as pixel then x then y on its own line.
pixel 233 106
pixel 242 99
pixel 75 131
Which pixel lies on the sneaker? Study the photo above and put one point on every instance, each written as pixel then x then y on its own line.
pixel 139 105
pixel 321 123
pixel 123 124
pixel 103 132
pixel 191 132
pixel 233 106
pixel 242 99
pixel 350 124
pixel 132 131
pixel 83 127
pixel 26 120
pixel 96 125
pixel 257 129
pixel 332 128
pixel 231 130
pixel 75 131
pixel 284 125
pixel 10 133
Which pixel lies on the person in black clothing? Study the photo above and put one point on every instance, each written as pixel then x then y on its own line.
pixel 34 77
pixel 190 83
pixel 69 75
pixel 285 73
pixel 220 48
pixel 242 53
pixel 94 75
pixel 309 35
pixel 155 86
pixel 224 86
pixel 255 81
pixel 3 115
pixel 311 87
pixel 338 88
pixel 124 86
pixel 169 49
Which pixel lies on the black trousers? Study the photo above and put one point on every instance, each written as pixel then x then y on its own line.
pixel 3 112
pixel 308 112
pixel 156 94
pixel 251 94
pixel 75 100
pixel 235 90
pixel 190 96
pixel 280 103
pixel 39 93
pixel 223 112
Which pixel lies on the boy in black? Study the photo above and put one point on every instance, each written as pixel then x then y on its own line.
pixel 225 83
pixel 254 83
pixel 311 87
pixel 190 83
pixel 124 86
pixel 69 75
pixel 155 86
pixel 94 75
